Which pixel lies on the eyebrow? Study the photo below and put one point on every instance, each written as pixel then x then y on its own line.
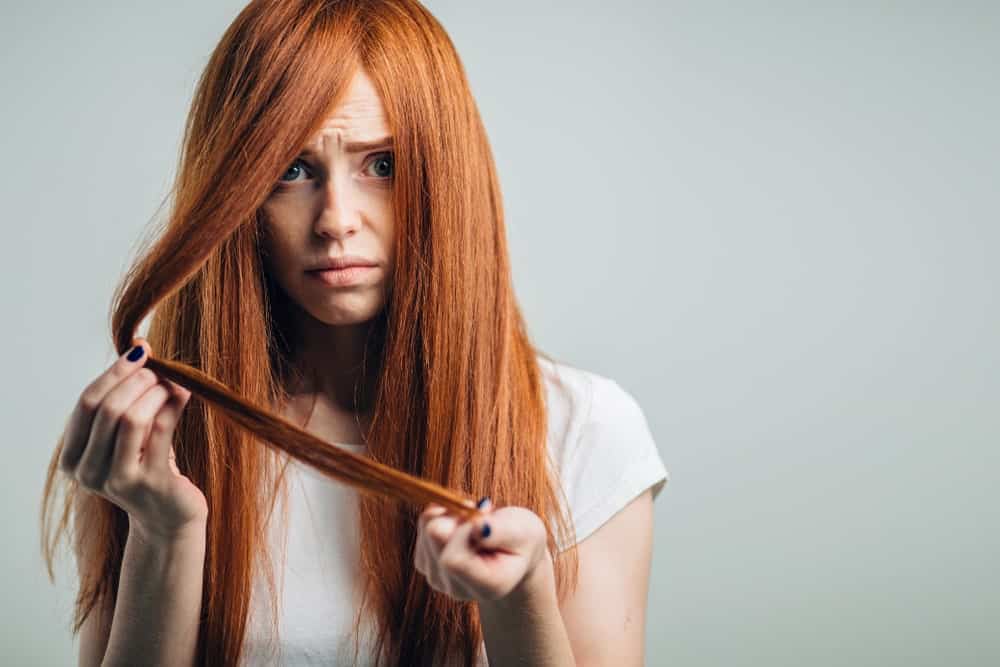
pixel 355 146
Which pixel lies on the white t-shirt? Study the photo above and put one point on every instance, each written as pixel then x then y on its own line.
pixel 601 446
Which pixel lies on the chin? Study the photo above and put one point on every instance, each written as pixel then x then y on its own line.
pixel 351 311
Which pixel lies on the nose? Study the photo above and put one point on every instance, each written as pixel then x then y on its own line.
pixel 339 217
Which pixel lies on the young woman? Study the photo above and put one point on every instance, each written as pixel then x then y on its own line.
pixel 336 250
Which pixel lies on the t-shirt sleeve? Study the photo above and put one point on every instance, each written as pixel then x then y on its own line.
pixel 613 460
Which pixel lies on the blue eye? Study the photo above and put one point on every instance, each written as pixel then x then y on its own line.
pixel 297 165
pixel 383 163
pixel 385 159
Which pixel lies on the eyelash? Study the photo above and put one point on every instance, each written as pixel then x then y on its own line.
pixel 383 154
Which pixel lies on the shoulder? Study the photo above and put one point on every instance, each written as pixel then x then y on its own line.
pixel 579 402
pixel 600 444
pixel 568 398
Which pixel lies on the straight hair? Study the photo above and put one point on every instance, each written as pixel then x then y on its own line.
pixel 459 405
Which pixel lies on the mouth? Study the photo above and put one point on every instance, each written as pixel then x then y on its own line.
pixel 352 274
pixel 343 262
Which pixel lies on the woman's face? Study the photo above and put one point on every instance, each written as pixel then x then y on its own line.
pixel 334 204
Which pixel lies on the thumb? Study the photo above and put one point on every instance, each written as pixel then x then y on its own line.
pixel 506 528
pixel 139 341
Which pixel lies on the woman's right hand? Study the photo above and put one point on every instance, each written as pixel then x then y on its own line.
pixel 119 444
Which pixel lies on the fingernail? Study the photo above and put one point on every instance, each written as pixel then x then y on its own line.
pixel 486 530
pixel 485 500
pixel 135 353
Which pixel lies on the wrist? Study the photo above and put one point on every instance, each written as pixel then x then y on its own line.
pixel 525 626
pixel 188 535
pixel 535 590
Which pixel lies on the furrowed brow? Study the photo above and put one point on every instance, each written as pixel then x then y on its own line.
pixel 362 146
pixel 354 146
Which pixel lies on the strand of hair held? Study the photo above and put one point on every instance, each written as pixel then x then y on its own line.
pixel 347 467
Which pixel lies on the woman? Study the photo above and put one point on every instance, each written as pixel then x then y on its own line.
pixel 338 204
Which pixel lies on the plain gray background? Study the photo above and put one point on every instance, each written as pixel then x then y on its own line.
pixel 776 224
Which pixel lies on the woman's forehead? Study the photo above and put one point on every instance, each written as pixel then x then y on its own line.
pixel 360 116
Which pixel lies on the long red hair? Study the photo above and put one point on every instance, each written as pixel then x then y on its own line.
pixel 459 410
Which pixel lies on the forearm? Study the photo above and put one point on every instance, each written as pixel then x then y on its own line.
pixel 156 616
pixel 526 628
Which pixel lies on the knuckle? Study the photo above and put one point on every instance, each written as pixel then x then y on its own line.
pixel 146 375
pixel 162 425
pixel 111 410
pixel 89 479
pixel 67 461
pixel 439 531
pixel 119 485
pixel 121 369
pixel 430 511
pixel 64 462
pixel 133 420
pixel 89 400
pixel 112 485
pixel 450 563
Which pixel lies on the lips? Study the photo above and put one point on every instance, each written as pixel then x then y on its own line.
pixel 354 275
pixel 342 262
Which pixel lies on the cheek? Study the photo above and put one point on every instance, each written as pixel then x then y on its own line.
pixel 387 234
pixel 276 257
pixel 280 242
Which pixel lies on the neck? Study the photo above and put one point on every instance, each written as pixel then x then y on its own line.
pixel 338 362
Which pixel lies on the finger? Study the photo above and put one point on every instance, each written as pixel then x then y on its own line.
pixel 172 460
pixel 418 561
pixel 418 545
pixel 133 431
pixel 77 431
pixel 439 531
pixel 459 559
pixel 482 522
pixel 423 557
pixel 95 462
pixel 509 531
pixel 184 395
pixel 439 577
pixel 178 390
pixel 436 509
pixel 160 445
pixel 432 510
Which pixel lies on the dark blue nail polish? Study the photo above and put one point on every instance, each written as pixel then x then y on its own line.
pixel 482 501
pixel 135 353
pixel 486 530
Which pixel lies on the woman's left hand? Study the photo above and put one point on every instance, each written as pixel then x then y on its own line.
pixel 459 560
